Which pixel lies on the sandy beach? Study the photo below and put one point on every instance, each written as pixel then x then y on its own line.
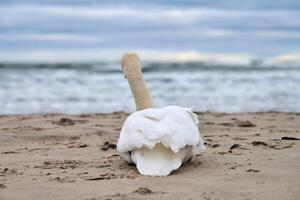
pixel 55 156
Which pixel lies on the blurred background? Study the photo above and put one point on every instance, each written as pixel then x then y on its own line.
pixel 215 55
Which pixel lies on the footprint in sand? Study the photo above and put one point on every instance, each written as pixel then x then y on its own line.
pixel 24 128
pixel 9 152
pixel 77 145
pixel 136 194
pixel 67 121
pixel 244 124
pixel 109 176
pixel 7 171
pixel 209 123
pixel 64 122
pixel 272 146
pixel 239 138
pixel 61 164
pixel 237 146
pixel 63 179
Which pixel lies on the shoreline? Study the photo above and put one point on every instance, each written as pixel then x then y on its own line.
pixel 86 114
pixel 248 156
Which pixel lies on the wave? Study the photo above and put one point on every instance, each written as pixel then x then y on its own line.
pixel 148 67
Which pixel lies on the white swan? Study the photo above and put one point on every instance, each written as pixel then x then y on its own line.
pixel 157 140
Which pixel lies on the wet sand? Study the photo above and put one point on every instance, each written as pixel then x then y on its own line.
pixel 54 156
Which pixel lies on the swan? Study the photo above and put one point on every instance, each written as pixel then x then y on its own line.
pixel 156 140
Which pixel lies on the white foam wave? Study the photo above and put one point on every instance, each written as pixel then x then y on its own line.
pixel 114 55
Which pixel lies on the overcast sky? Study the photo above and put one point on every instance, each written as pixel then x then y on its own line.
pixel 67 30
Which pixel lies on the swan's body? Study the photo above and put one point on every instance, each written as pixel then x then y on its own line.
pixel 157 140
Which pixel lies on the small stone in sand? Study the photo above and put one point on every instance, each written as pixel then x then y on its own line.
pixel 64 122
pixel 8 152
pixel 257 143
pixel 252 170
pixel 215 145
pixel 143 191
pixel 82 146
pixel 235 146
pixel 289 138
pixel 108 145
pixel 228 124
pixel 246 124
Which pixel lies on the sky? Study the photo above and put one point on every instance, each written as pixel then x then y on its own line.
pixel 230 31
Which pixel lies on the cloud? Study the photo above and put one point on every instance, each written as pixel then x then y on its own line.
pixel 49 37
pixel 88 55
pixel 205 27
pixel 28 13
pixel 288 57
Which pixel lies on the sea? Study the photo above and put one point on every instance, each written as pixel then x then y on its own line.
pixel 63 56
pixel 102 88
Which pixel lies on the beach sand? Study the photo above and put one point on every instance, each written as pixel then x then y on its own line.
pixel 55 156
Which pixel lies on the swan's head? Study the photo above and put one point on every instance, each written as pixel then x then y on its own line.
pixel 130 63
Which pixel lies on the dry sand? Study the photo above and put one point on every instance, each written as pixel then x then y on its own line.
pixel 248 156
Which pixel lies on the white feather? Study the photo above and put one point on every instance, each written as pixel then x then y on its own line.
pixel 158 140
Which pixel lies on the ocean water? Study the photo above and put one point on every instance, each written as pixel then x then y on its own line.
pixel 101 87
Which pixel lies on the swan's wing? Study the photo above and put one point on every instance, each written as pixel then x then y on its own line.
pixel 154 114
pixel 173 126
pixel 140 129
pixel 181 127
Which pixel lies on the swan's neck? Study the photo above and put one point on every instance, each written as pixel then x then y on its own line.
pixel 139 90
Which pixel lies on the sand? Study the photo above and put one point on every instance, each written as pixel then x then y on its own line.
pixel 54 156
